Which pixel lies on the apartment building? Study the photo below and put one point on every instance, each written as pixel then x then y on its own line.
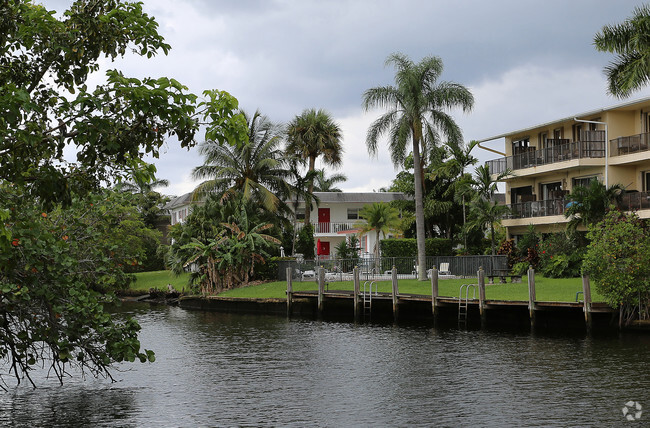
pixel 549 160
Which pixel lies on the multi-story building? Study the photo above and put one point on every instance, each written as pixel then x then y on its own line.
pixel 548 161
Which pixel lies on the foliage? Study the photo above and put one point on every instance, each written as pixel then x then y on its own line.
pixel 588 205
pixel 380 217
pixel 323 183
pixel 528 246
pixel 228 260
pixel 560 256
pixel 254 168
pixel 486 214
pixel 629 71
pixel 49 308
pixel 305 243
pixel 508 248
pixel 348 249
pixel 520 268
pixel 620 266
pixel 417 113
pixel 407 247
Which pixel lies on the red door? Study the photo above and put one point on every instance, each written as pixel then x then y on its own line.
pixel 324 248
pixel 324 221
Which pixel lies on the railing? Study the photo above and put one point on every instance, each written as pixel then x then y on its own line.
pixel 332 227
pixel 537 208
pixel 379 268
pixel 548 155
pixel 635 201
pixel 632 144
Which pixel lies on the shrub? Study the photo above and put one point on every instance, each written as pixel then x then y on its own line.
pixel 560 257
pixel 508 248
pixel 520 268
pixel 407 247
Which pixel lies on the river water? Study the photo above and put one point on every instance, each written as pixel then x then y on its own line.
pixel 216 369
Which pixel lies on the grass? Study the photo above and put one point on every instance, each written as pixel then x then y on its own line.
pixel 547 289
pixel 159 279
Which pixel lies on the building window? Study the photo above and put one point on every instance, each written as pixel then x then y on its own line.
pixel 520 146
pixel 646 181
pixel 583 181
pixel 300 215
pixel 353 213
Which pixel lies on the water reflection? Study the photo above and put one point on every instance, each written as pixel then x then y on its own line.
pixel 217 369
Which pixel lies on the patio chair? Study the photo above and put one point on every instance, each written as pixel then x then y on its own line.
pixel 444 269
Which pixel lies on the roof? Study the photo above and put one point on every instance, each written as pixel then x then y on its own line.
pixel 621 106
pixel 366 198
pixel 185 199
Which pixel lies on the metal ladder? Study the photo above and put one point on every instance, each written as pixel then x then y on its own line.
pixel 463 303
pixel 367 296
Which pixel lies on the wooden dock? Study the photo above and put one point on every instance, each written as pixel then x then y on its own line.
pixel 364 302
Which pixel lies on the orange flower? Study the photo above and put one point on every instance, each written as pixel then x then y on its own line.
pixel 34 270
pixel 15 242
pixel 43 215
pixel 64 237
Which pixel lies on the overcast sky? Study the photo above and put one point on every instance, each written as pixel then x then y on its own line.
pixel 526 62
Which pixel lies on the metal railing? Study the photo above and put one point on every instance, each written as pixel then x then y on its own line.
pixel 632 144
pixel 635 201
pixel 537 208
pixel 548 155
pixel 331 227
pixel 372 268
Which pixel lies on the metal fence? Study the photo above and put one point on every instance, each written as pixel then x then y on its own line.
pixel 380 268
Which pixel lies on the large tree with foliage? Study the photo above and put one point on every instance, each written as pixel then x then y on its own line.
pixel 311 135
pixel 418 108
pixel 49 310
pixel 630 40
pixel 379 217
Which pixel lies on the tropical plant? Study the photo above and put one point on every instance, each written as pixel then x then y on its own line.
pixel 379 217
pixel 588 204
pixel 630 70
pixel 620 266
pixel 417 108
pixel 486 214
pixel 311 135
pixel 255 168
pixel 323 183
pixel 299 190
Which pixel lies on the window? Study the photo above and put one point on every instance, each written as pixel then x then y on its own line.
pixel 646 181
pixel 520 146
pixel 300 214
pixel 542 139
pixel 353 213
pixel 583 181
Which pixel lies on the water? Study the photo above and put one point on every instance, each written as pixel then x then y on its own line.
pixel 240 370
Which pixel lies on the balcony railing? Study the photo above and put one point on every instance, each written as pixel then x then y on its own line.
pixel 635 201
pixel 632 144
pixel 331 227
pixel 548 155
pixel 537 208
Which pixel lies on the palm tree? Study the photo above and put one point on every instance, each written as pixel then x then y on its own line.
pixel 255 169
pixel 314 134
pixel 299 189
pixel 631 41
pixel 417 108
pixel 323 183
pixel 380 217
pixel 589 204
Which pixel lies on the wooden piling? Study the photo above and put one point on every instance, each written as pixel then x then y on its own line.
pixel 586 291
pixel 357 290
pixel 434 291
pixel 481 295
pixel 395 292
pixel 321 289
pixel 531 296
pixel 289 290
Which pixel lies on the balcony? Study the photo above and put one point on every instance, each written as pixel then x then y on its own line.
pixel 557 153
pixel 537 208
pixel 332 227
pixel 628 145
pixel 634 201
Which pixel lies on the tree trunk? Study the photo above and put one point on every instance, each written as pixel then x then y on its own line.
pixel 419 209
pixel 312 164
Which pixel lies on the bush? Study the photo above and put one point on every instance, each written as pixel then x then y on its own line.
pixel 560 257
pixel 520 268
pixel 305 243
pixel 407 247
pixel 508 248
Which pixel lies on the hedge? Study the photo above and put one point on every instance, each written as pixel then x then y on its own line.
pixel 407 247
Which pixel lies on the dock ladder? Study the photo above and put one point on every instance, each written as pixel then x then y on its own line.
pixel 463 302
pixel 367 296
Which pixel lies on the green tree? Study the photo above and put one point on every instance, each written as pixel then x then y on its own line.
pixel 380 217
pixel 323 183
pixel 620 266
pixel 484 214
pixel 417 108
pixel 311 135
pixel 588 204
pixel 630 40
pixel 255 168
pixel 50 311
pixel 299 190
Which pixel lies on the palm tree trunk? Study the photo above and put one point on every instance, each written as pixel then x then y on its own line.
pixel 312 164
pixel 419 210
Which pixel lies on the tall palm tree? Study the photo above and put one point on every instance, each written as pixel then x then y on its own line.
pixel 256 169
pixel 417 111
pixel 630 70
pixel 485 211
pixel 380 217
pixel 323 183
pixel 311 135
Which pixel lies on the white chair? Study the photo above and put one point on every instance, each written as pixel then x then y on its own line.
pixel 444 269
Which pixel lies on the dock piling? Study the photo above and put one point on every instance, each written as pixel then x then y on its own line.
pixel 395 292
pixel 321 289
pixel 481 295
pixel 586 290
pixel 289 290
pixel 531 295
pixel 357 290
pixel 434 292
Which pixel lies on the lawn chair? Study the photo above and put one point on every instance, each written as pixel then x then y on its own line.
pixel 444 269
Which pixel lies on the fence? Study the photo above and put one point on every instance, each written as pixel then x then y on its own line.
pixel 380 268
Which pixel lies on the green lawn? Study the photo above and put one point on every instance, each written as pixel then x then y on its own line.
pixel 547 289
pixel 159 279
